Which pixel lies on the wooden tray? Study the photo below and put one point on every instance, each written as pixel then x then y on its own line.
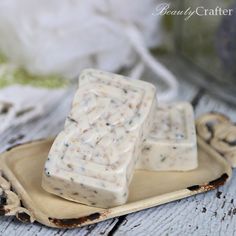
pixel 22 167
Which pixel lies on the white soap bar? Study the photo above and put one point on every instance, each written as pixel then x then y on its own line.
pixel 92 160
pixel 171 145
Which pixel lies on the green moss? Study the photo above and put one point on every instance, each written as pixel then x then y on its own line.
pixel 10 76
pixel 22 77
pixel 3 83
pixel 168 22
pixel 159 51
pixel 2 58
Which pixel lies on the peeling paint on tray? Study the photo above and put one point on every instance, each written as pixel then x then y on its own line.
pixel 70 223
pixel 211 185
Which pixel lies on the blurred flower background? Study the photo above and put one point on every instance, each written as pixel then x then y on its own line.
pixel 47 38
pixel 45 44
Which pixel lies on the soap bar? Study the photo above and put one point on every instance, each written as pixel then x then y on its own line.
pixel 93 159
pixel 171 144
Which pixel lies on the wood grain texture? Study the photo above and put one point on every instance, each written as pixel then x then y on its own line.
pixel 213 213
pixel 10 226
pixel 209 103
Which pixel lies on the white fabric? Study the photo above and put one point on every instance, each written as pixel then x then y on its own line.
pixel 160 70
pixel 63 37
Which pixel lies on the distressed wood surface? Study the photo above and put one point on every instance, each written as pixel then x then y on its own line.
pixel 213 213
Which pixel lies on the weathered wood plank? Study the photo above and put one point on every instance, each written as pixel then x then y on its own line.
pixel 212 213
pixel 10 226
pixel 208 103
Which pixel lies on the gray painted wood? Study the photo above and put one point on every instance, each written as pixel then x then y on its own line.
pixel 213 213
pixel 208 103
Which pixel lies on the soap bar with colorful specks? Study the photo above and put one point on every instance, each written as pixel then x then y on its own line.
pixel 171 145
pixel 92 160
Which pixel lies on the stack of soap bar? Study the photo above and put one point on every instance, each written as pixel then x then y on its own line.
pixel 92 160
pixel 171 145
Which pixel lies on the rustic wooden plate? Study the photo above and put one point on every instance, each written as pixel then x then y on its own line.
pixel 22 166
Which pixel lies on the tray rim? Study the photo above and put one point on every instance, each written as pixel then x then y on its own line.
pixel 30 214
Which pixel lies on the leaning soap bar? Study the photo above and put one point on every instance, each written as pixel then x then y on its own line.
pixel 92 160
pixel 171 145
